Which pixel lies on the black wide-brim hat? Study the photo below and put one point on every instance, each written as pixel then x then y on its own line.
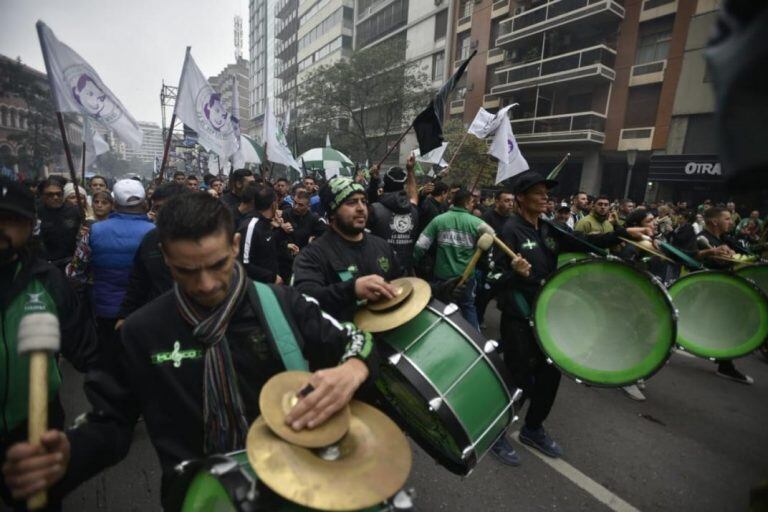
pixel 525 180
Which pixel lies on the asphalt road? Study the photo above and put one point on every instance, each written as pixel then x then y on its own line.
pixel 698 443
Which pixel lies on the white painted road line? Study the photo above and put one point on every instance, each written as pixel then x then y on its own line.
pixel 597 491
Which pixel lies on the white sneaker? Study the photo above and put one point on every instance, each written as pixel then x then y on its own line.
pixel 633 392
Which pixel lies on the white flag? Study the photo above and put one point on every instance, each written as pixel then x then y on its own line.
pixel 201 108
pixel 95 144
pixel 275 141
pixel 238 160
pixel 504 147
pixel 486 123
pixel 327 139
pixel 433 157
pixel 76 87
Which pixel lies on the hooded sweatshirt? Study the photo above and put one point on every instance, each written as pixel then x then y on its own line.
pixel 395 219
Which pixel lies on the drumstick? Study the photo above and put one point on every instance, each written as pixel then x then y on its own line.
pixel 39 337
pixel 483 244
pixel 485 228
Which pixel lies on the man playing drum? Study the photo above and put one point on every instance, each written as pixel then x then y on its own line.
pixel 539 242
pixel 193 361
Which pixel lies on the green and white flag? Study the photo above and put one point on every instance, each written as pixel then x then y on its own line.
pixel 276 142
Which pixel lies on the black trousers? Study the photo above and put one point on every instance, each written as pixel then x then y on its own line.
pixel 529 369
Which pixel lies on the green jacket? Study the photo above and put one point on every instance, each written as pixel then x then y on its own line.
pixel 38 287
pixel 456 234
pixel 590 225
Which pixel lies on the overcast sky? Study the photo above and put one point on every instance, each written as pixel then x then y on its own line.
pixel 134 45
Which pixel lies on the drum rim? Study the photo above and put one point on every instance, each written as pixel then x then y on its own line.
pixel 610 259
pixel 729 273
pixel 427 387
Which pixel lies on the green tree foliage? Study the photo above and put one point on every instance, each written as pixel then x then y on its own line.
pixel 363 102
pixel 472 162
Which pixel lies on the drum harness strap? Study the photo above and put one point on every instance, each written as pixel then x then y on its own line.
pixel 285 341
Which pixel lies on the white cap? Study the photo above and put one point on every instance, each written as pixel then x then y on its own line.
pixel 69 190
pixel 128 192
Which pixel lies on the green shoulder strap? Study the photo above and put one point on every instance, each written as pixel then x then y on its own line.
pixel 285 341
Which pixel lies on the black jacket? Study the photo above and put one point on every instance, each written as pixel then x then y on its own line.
pixel 304 226
pixel 395 219
pixel 260 247
pixel 327 268
pixel 149 278
pixel 540 248
pixel 58 232
pixel 428 210
pixel 169 394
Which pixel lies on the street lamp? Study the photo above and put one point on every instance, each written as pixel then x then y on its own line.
pixel 631 158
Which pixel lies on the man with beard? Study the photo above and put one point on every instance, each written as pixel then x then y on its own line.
pixel 31 285
pixel 59 223
pixel 579 208
pixel 193 363
pixel 238 180
pixel 597 221
pixel 345 264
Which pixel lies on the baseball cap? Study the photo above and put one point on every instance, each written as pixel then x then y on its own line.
pixel 128 192
pixel 563 206
pixel 528 179
pixel 14 197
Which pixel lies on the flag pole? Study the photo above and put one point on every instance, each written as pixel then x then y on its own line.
pixel 391 149
pixel 70 163
pixel 455 153
pixel 477 176
pixel 559 167
pixel 166 148
pixel 82 168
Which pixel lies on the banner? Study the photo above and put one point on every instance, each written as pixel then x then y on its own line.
pixel 275 141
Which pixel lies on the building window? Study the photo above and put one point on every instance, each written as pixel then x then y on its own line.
pixel 465 8
pixel 441 24
pixel 438 66
pixel 3 117
pixel 463 47
pixel 385 21
pixel 653 41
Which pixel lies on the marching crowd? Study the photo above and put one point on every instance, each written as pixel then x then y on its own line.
pixel 147 281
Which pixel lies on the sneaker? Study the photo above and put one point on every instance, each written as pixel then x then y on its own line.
pixel 633 392
pixel 641 383
pixel 505 453
pixel 731 373
pixel 539 439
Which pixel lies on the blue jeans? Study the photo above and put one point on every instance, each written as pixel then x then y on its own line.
pixel 467 302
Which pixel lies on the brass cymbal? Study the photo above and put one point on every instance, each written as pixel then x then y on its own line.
pixel 404 289
pixel 648 247
pixel 374 460
pixel 379 321
pixel 277 398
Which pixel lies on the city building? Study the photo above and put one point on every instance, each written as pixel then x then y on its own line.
pixel 424 25
pixel 222 83
pixel 261 42
pixel 151 146
pixel 594 78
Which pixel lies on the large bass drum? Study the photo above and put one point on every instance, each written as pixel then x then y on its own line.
pixel 721 315
pixel 446 385
pixel 604 322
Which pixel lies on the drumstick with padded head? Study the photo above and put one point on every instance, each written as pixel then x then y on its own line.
pixel 39 336
pixel 483 244
pixel 485 228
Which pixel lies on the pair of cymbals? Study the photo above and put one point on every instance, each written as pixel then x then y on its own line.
pixel 647 246
pixel 411 298
pixel 368 464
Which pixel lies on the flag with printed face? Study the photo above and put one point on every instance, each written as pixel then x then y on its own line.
pixel 76 87
pixel 200 108
pixel 275 141
pixel 504 147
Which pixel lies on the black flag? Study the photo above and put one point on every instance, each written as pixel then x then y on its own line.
pixel 429 124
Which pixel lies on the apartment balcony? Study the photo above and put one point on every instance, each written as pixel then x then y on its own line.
pixel 464 24
pixel 594 63
pixel 499 8
pixel 287 69
pixel 653 9
pixel 648 73
pixel 580 127
pixel 285 49
pixel 495 55
pixel 640 139
pixel 457 107
pixel 284 8
pixel 284 29
pixel 556 13
pixel 491 101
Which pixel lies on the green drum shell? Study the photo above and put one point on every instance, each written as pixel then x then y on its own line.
pixel 565 258
pixel 690 296
pixel 206 493
pixel 647 284
pixel 435 356
pixel 758 274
